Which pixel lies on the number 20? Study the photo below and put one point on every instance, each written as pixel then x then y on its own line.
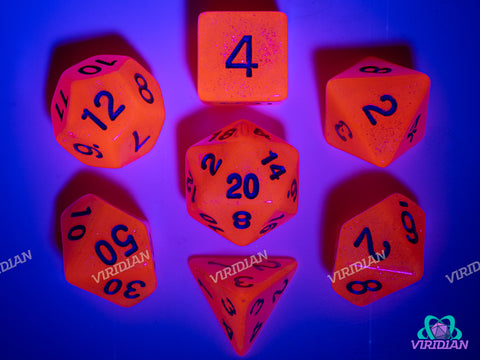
pixel 251 186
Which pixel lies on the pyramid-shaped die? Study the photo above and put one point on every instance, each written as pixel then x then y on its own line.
pixel 380 251
pixel 107 251
pixel 242 182
pixel 376 110
pixel 242 291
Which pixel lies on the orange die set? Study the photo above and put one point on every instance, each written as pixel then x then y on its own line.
pixel 241 181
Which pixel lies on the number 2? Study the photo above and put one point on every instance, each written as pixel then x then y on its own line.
pixel 368 108
pixel 279 292
pixel 213 167
pixel 248 65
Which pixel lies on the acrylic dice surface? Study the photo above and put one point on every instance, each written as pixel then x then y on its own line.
pixel 107 251
pixel 242 56
pixel 376 110
pixel 242 182
pixel 242 291
pixel 380 251
pixel 107 111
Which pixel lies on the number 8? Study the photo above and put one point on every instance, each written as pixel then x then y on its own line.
pixel 242 219
pixel 375 70
pixel 144 88
pixel 365 286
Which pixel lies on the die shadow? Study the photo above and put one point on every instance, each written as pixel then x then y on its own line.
pixel 91 182
pixel 195 7
pixel 70 52
pixel 329 62
pixel 348 199
pixel 200 124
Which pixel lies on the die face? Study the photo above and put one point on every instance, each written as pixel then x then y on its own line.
pixel 107 252
pixel 242 56
pixel 380 251
pixel 107 111
pixel 261 307
pixel 416 129
pixel 372 67
pixel 242 291
pixel 242 186
pixel 237 132
pixel 91 68
pixel 372 109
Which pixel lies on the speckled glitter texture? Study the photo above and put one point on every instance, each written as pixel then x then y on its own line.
pixel 394 229
pixel 219 33
pixel 396 99
pixel 242 182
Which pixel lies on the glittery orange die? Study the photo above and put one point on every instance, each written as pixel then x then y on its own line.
pixel 242 182
pixel 107 252
pixel 242 57
pixel 242 291
pixel 380 251
pixel 376 110
pixel 107 111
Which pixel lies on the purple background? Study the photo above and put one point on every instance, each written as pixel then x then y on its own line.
pixel 42 315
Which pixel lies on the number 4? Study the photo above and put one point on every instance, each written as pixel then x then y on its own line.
pixel 247 39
